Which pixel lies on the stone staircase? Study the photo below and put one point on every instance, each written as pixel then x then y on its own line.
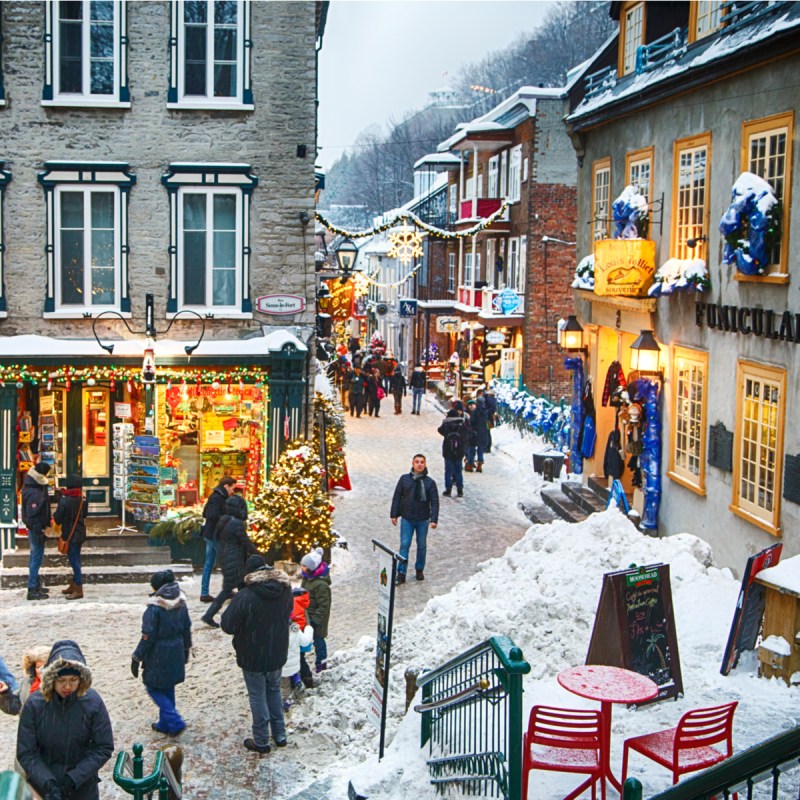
pixel 572 501
pixel 105 558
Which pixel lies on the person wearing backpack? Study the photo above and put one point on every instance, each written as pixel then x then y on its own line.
pixel 455 430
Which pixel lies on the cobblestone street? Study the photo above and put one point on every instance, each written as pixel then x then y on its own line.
pixel 471 529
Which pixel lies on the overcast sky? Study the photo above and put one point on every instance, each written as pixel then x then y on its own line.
pixel 380 58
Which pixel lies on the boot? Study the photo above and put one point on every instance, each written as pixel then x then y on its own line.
pixel 469 468
pixel 35 594
pixel 460 492
pixel 70 588
pixel 76 594
pixel 420 575
pixel 447 492
pixel 400 579
pixel 479 468
pixel 309 682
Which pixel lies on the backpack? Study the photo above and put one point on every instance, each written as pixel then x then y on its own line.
pixel 453 447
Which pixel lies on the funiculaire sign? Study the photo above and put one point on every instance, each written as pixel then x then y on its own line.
pixel 783 326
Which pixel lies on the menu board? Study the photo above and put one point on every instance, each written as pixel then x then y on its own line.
pixel 634 627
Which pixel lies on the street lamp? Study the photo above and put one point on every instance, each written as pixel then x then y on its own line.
pixel 571 336
pixel 645 354
pixel 346 255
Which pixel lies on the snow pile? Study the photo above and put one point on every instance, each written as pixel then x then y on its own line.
pixel 785 575
pixel 584 274
pixel 543 593
pixel 677 274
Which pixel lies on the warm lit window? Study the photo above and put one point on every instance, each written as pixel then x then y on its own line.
pixel 601 198
pixel 758 444
pixel 767 152
pixel 85 53
pixel 451 272
pixel 639 171
pixel 87 237
pixel 688 453
pixel 705 17
pixel 690 196
pixel 632 35
pixel 210 53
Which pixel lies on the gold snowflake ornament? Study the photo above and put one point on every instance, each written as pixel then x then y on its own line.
pixel 406 244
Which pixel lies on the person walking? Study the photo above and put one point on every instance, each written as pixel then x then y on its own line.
pixel 163 651
pixel 212 511
pixel 416 500
pixel 418 384
pixel 70 514
pixel 397 385
pixel 258 619
pixel 371 388
pixel 36 516
pixel 235 547
pixel 356 395
pixel 345 379
pixel 317 582
pixel 491 415
pixel 64 736
pixel 455 430
pixel 479 431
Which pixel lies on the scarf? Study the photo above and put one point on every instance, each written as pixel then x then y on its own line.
pixel 420 495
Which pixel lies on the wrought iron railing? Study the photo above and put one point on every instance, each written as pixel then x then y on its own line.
pixel 129 775
pixel 649 56
pixel 472 720
pixel 13 787
pixel 752 774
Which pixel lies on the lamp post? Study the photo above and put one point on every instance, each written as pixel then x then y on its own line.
pixel 646 354
pixel 346 255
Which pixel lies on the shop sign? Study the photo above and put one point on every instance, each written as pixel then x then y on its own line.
pixel 782 326
pixel 281 303
pixel 495 337
pixel 448 324
pixel 506 302
pixel 624 267
pixel 122 410
pixel 408 308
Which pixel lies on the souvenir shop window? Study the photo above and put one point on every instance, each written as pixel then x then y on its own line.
pixel 209 431
pixel 687 463
pixel 52 433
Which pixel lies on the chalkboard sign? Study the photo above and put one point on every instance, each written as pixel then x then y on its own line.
pixel 634 627
pixel 749 611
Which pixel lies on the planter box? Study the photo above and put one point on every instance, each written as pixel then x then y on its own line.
pixel 193 550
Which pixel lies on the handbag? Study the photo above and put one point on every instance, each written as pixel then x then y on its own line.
pixel 381 393
pixel 63 544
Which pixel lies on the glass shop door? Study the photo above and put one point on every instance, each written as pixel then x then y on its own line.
pixel 94 454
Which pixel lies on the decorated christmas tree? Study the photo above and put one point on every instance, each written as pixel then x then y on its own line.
pixel 292 514
pixel 377 345
pixel 335 437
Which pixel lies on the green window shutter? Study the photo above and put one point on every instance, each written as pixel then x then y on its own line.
pixel 8 453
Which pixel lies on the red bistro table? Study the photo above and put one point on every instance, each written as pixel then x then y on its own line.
pixel 608 685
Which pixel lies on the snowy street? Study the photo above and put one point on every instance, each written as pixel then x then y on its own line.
pixel 485 576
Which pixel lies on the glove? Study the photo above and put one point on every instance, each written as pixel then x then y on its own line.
pixel 186 656
pixel 53 791
pixel 135 667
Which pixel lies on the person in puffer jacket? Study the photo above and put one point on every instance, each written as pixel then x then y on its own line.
pixel 301 636
pixel 317 582
pixel 36 516
pixel 236 546
pixel 163 650
pixel 71 516
pixel 64 736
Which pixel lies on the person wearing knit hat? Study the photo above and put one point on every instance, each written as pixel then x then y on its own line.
pixel 64 736
pixel 317 582
pixel 71 516
pixel 163 651
pixel 36 516
pixel 258 619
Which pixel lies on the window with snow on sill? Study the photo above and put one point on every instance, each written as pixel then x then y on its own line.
pixel 680 275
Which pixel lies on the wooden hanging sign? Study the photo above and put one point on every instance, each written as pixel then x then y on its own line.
pixel 634 627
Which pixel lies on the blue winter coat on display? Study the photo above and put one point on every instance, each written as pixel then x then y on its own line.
pixel 166 638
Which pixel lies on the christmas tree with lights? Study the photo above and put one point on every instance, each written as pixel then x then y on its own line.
pixel 335 437
pixel 292 514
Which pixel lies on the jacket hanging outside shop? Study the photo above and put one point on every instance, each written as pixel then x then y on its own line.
pixel 615 379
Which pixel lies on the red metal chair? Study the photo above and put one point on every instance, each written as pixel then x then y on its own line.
pixel 564 740
pixel 688 747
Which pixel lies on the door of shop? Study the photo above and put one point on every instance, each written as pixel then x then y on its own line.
pixel 88 451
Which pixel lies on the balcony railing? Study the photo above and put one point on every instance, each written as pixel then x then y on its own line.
pixel 650 56
pixel 479 207
pixel 735 13
pixel 483 299
pixel 599 81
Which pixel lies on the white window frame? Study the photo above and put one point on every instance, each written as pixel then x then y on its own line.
pixel 523 264
pixel 494 169
pixel 515 174
pixel 491 257
pixel 524 170
pixel 512 263
pixel 468 268
pixel 191 178
pixel 469 188
pixel 632 23
pixel 451 273
pixel 504 174
pixel 64 176
pixel 601 198
pixel 177 97
pixel 52 94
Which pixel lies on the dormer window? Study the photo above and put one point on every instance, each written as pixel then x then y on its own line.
pixel 705 17
pixel 631 25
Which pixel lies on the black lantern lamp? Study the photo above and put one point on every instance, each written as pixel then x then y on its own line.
pixel 645 355
pixel 570 336
pixel 346 255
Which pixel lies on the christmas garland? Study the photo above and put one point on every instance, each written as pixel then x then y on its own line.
pixel 402 219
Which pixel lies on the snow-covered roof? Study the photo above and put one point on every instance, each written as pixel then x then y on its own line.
pixel 785 575
pixel 696 59
pixel 438 159
pixel 27 345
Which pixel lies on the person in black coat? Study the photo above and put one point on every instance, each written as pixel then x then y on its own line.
pixel 416 500
pixel 258 619
pixel 212 511
pixel 163 650
pixel 456 432
pixel 36 516
pixel 64 734
pixel 235 545
pixel 71 516
pixel 397 385
pixel 478 420
pixel 371 392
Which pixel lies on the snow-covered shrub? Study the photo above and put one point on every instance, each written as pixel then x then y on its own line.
pixel 676 275
pixel 584 274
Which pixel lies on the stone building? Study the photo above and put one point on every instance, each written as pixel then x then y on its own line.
pixel 160 149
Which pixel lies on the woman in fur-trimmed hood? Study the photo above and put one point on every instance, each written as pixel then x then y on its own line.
pixel 64 735
pixel 164 649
